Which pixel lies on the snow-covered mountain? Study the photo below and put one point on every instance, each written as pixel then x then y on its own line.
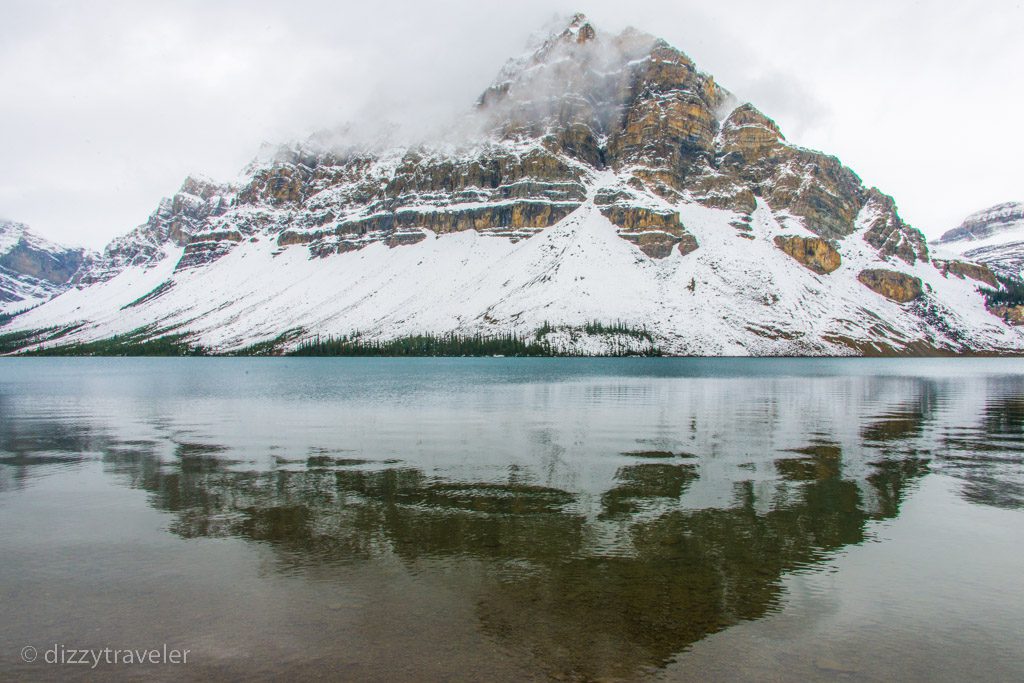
pixel 600 178
pixel 32 269
pixel 994 237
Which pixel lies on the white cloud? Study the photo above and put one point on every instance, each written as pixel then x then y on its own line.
pixel 108 105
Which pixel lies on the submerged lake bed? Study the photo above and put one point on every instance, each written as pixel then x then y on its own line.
pixel 514 519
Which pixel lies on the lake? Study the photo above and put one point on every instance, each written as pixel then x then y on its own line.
pixel 513 519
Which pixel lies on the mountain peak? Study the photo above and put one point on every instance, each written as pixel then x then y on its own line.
pixel 32 268
pixel 579 29
pixel 987 222
pixel 993 237
pixel 10 233
pixel 13 234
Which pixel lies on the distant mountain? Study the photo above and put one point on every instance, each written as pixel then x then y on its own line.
pixel 603 196
pixel 172 226
pixel 994 237
pixel 32 269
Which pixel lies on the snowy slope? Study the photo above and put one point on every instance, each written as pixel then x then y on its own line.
pixel 994 237
pixel 747 298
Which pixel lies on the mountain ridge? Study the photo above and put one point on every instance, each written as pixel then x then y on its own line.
pixel 993 237
pixel 32 268
pixel 588 136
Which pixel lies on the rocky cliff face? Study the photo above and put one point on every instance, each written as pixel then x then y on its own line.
pixel 726 238
pixel 993 237
pixel 581 102
pixel 32 269
pixel 891 284
pixel 813 252
pixel 178 221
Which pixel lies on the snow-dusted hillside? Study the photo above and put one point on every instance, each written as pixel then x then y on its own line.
pixel 601 178
pixel 32 269
pixel 734 296
pixel 994 237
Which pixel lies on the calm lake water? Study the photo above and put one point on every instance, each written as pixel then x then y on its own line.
pixel 512 519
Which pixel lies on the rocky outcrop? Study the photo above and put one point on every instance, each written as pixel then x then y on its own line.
pixel 33 269
pixel 813 253
pixel 754 160
pixel 962 269
pixel 639 218
pixel 280 184
pixel 207 246
pixel 749 136
pixel 1012 315
pixel 669 116
pixel 892 284
pixel 803 183
pixel 509 219
pixel 886 232
pixel 722 191
pixel 353 202
pixel 31 259
pixel 687 244
pixel 174 223
pixel 660 245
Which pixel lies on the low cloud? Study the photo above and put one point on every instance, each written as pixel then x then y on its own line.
pixel 108 105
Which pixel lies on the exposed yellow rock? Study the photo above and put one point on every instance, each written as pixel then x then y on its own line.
pixel 962 269
pixel 517 216
pixel 750 134
pixel 669 120
pixel 672 119
pixel 638 218
pixel 656 233
pixel 892 284
pixel 290 237
pixel 1014 315
pixel 813 252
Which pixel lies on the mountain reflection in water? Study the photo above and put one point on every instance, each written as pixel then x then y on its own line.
pixel 608 523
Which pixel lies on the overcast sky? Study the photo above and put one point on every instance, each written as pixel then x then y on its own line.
pixel 107 106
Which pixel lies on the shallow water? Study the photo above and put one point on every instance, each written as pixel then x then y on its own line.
pixel 511 519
